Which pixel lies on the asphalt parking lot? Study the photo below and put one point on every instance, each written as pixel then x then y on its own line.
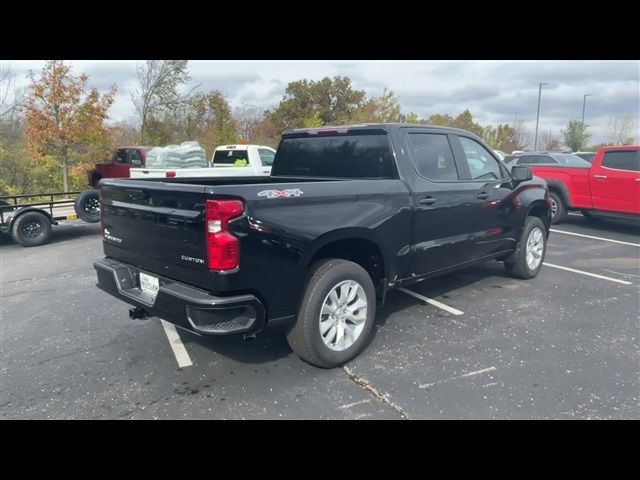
pixel 564 345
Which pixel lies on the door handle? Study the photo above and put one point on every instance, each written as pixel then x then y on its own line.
pixel 600 177
pixel 482 196
pixel 427 201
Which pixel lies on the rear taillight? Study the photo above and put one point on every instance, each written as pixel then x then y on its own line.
pixel 101 212
pixel 223 249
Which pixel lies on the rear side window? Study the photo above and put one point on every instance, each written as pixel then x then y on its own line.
pixel 433 156
pixel 266 157
pixel 335 156
pixel 230 158
pixel 528 160
pixel 622 160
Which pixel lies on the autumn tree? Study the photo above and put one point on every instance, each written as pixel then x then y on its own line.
pixel 63 118
pixel 157 94
pixel 576 135
pixel 333 100
pixel 380 109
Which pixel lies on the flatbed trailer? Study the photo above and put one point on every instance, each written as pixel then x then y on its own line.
pixel 28 218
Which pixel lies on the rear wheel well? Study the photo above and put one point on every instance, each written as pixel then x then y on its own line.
pixel 561 194
pixel 358 250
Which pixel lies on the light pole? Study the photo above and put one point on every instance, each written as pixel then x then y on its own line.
pixel 535 142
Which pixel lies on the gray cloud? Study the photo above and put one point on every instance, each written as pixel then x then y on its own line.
pixel 494 91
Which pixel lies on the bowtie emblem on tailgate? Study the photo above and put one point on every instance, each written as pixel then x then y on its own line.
pixel 290 192
pixel 137 194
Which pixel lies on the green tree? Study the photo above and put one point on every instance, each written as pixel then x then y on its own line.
pixel 64 121
pixel 410 118
pixel 333 99
pixel 313 121
pixel 576 135
pixel 465 122
pixel 438 119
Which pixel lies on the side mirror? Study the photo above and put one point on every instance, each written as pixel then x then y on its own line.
pixel 521 173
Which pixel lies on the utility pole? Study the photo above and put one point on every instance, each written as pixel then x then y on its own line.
pixel 535 142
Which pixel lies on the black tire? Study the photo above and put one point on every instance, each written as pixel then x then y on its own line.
pixel 560 208
pixel 87 206
pixel 31 229
pixel 519 267
pixel 305 338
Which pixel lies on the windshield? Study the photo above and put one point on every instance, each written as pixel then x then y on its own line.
pixel 571 160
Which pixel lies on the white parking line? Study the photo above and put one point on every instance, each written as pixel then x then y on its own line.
pixel 470 374
pixel 624 282
pixel 595 238
pixel 433 302
pixel 176 345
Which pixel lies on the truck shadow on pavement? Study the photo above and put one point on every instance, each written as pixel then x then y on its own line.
pixel 271 344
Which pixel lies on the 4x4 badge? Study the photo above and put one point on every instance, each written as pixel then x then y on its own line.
pixel 290 192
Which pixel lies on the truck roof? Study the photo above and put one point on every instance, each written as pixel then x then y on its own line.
pixel 241 146
pixel 370 126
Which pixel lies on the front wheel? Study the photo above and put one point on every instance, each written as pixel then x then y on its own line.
pixel 336 316
pixel 531 250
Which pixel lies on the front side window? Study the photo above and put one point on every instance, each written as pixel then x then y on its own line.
pixel 622 160
pixel 433 156
pixel 482 165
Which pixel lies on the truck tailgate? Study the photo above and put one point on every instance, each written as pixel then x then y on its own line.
pixel 157 227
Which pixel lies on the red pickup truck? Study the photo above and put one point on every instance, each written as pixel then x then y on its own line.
pixel 124 158
pixel 610 186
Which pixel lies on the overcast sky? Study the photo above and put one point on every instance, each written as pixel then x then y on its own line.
pixel 494 91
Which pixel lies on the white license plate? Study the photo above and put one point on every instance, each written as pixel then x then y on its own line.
pixel 149 284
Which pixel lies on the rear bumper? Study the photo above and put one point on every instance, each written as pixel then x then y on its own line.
pixel 185 306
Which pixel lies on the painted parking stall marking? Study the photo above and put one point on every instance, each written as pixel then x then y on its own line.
pixel 594 238
pixel 435 303
pixel 457 377
pixel 581 272
pixel 182 356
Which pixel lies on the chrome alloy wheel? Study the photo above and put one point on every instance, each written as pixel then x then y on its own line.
pixel 343 315
pixel 535 247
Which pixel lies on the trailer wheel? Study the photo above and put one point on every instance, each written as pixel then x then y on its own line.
pixel 31 229
pixel 87 206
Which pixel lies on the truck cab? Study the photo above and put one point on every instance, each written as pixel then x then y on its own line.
pixel 123 159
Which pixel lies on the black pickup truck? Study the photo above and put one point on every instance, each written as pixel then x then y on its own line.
pixel 348 213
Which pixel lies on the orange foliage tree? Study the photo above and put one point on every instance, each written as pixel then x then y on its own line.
pixel 62 117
